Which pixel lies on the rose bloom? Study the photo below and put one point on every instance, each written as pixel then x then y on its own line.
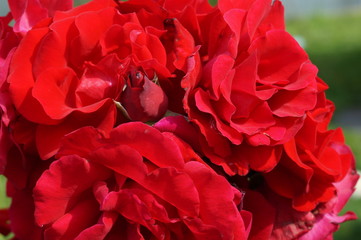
pixel 137 183
pixel 255 87
pixel 76 68
pixel 275 217
pixel 313 161
pixel 304 194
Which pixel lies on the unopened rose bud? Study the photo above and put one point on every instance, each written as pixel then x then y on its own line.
pixel 143 99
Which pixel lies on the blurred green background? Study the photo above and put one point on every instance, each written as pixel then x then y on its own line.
pixel 330 31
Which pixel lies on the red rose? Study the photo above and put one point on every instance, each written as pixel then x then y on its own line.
pixel 72 70
pixel 313 161
pixel 256 85
pixel 137 183
pixel 274 217
pixel 240 148
pixel 323 220
pixel 311 173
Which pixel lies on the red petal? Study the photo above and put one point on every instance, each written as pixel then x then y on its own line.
pixel 84 214
pixel 182 128
pixel 100 230
pixel 280 56
pixel 29 12
pixel 21 79
pixel 217 211
pixel 262 224
pixel 147 141
pixel 59 189
pixel 48 144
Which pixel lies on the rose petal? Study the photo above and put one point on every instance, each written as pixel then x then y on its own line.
pixel 29 12
pixel 59 189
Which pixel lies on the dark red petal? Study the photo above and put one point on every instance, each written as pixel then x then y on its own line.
pixel 263 215
pixel 48 144
pixel 145 103
pixel 100 230
pixel 132 208
pixel 60 188
pixel 68 226
pixel 21 213
pixel 217 207
pixel 147 141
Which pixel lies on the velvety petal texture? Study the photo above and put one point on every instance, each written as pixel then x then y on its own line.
pixel 28 13
pixel 256 86
pixel 315 160
pixel 136 177
pixel 165 120
pixel 102 63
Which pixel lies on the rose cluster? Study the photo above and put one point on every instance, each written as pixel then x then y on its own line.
pixel 165 119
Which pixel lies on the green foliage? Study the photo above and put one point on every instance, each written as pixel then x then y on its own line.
pixel 353 139
pixel 10 236
pixel 79 2
pixel 4 201
pixel 213 2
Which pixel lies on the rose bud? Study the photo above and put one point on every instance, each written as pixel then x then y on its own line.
pixel 143 99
